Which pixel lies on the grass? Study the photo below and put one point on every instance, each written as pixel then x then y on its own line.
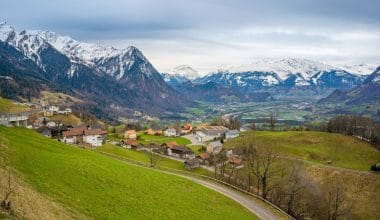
pixel 196 149
pixel 103 188
pixel 143 157
pixel 146 139
pixel 320 147
pixel 69 119
pixel 8 106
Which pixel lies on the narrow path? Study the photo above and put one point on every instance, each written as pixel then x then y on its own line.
pixel 260 210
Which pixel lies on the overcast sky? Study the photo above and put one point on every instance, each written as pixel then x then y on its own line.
pixel 206 34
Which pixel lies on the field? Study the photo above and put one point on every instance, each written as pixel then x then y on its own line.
pixel 8 106
pixel 69 119
pixel 146 139
pixel 103 188
pixel 143 158
pixel 319 147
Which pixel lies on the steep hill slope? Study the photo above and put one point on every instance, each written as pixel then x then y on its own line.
pixel 320 147
pixel 365 93
pixel 113 80
pixel 100 187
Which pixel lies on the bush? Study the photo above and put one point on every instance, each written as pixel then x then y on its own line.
pixel 375 167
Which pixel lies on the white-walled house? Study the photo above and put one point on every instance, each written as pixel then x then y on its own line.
pixel 53 108
pixel 93 137
pixel 208 133
pixel 231 134
pixel 170 132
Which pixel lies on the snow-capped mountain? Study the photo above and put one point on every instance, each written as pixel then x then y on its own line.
pixel 180 74
pixel 367 92
pixel 358 69
pixel 282 67
pixel 186 71
pixel 283 73
pixel 122 77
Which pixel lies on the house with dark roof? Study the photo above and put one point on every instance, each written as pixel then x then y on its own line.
pixel 209 133
pixel 92 136
pixel 191 163
pixel 214 147
pixel 173 149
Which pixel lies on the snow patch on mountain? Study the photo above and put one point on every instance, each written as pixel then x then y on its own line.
pixel 186 71
pixel 359 69
pixel 282 67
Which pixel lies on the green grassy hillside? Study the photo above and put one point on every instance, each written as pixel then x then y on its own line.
pixel 146 139
pixel 142 157
pixel 7 105
pixel 320 147
pixel 103 188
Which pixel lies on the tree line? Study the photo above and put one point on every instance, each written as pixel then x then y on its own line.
pixel 285 184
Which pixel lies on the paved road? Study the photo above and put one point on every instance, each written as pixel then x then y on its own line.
pixel 257 208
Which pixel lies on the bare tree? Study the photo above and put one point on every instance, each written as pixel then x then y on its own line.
pixel 272 121
pixel 336 201
pixel 153 156
pixel 5 202
pixel 264 167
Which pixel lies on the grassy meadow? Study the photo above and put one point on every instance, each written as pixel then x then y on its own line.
pixel 100 187
pixel 320 147
pixel 142 157
pixel 8 106
pixel 146 139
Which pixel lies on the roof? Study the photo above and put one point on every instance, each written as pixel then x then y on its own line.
pixel 76 131
pixel 204 156
pixel 170 144
pixel 234 160
pixel 130 142
pixel 191 162
pixel 200 134
pixel 215 144
pixel 215 128
pixel 130 132
pixel 171 129
pixel 181 149
pixel 96 131
pixel 232 132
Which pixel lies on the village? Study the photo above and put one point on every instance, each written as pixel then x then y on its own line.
pixel 205 141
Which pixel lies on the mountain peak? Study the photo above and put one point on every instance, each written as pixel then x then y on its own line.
pixel 186 71
pixel 6 31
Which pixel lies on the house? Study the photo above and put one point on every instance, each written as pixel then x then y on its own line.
pixel 170 132
pixel 77 135
pixel 191 163
pixel 130 134
pixel 94 137
pixel 173 149
pixel 231 134
pixel 18 120
pixel 186 129
pixel 129 143
pixel 235 162
pixel 153 132
pixel 45 131
pixel 65 111
pixel 214 147
pixel 51 124
pixel 208 133
pixel 53 108
pixel 204 158
pixel 48 113
pixel 73 135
